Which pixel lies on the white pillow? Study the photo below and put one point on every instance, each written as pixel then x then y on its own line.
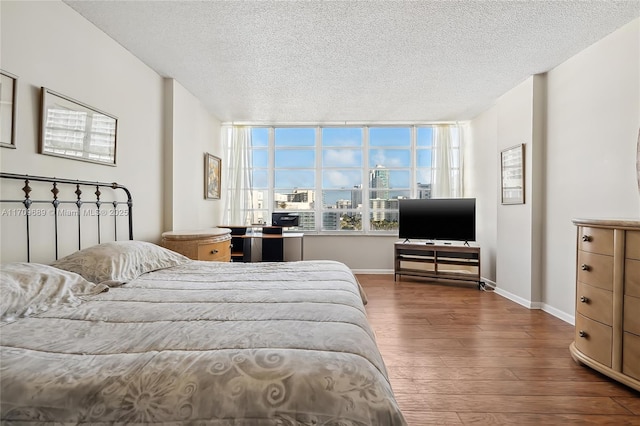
pixel 30 288
pixel 119 262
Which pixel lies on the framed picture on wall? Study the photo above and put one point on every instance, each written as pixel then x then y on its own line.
pixel 512 175
pixel 71 129
pixel 8 97
pixel 212 176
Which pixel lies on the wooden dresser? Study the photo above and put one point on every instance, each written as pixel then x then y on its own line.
pixel 205 244
pixel 608 298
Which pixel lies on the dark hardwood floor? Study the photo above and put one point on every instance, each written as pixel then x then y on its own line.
pixel 457 355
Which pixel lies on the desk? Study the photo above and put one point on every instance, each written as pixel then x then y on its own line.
pixel 250 246
pixel 278 247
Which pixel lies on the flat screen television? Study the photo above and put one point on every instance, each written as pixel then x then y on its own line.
pixel 451 219
pixel 284 219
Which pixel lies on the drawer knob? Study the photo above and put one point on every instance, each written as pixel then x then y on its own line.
pixel 586 238
pixel 584 299
pixel 585 267
pixel 582 333
pixel 214 251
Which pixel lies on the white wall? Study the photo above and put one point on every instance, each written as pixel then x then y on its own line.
pixel 580 122
pixel 593 121
pixel 372 254
pixel 514 265
pixel 49 44
pixel 481 182
pixel 193 132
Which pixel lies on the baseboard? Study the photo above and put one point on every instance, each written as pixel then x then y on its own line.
pixel 519 300
pixel 559 314
pixel 535 305
pixel 373 271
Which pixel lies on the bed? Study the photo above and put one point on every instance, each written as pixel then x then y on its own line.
pixel 126 332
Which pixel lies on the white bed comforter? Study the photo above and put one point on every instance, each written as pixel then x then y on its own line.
pixel 203 343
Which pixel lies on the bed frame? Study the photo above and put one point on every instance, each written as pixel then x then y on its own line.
pixel 29 204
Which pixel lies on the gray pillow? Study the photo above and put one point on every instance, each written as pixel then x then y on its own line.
pixel 119 262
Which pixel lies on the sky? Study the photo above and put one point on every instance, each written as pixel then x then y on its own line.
pixel 342 157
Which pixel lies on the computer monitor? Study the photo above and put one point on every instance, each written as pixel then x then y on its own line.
pixel 285 219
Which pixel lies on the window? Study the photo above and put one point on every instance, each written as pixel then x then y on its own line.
pixel 389 175
pixel 341 169
pixel 259 158
pixel 294 170
pixel 342 178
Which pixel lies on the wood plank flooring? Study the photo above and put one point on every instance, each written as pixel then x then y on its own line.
pixel 458 356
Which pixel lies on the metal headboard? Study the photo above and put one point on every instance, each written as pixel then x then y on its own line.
pixel 28 203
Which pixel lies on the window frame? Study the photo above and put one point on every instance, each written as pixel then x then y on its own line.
pixel 319 209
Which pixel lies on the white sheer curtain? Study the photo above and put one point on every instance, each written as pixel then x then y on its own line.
pixel 446 162
pixel 237 149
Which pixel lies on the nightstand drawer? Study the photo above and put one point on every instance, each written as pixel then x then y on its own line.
pixel 595 303
pixel 595 240
pixel 215 251
pixel 631 355
pixel 631 321
pixel 595 269
pixel 594 339
pixel 213 244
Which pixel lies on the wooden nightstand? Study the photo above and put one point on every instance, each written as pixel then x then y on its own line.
pixel 212 244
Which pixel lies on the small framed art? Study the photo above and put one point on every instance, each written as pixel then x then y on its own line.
pixel 75 130
pixel 512 175
pixel 212 176
pixel 8 97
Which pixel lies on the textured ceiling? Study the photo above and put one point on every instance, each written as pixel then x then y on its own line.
pixel 312 61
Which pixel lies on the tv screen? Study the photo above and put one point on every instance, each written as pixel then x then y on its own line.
pixel 284 219
pixel 438 219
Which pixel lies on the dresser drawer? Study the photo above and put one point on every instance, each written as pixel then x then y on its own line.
pixel 632 315
pixel 596 270
pixel 595 303
pixel 631 355
pixel 215 251
pixel 632 277
pixel 593 339
pixel 632 243
pixel 595 240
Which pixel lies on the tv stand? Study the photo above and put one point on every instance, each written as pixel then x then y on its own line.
pixel 454 261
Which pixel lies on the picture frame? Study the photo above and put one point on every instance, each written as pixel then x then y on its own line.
pixel 212 176
pixel 512 171
pixel 72 129
pixel 8 99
